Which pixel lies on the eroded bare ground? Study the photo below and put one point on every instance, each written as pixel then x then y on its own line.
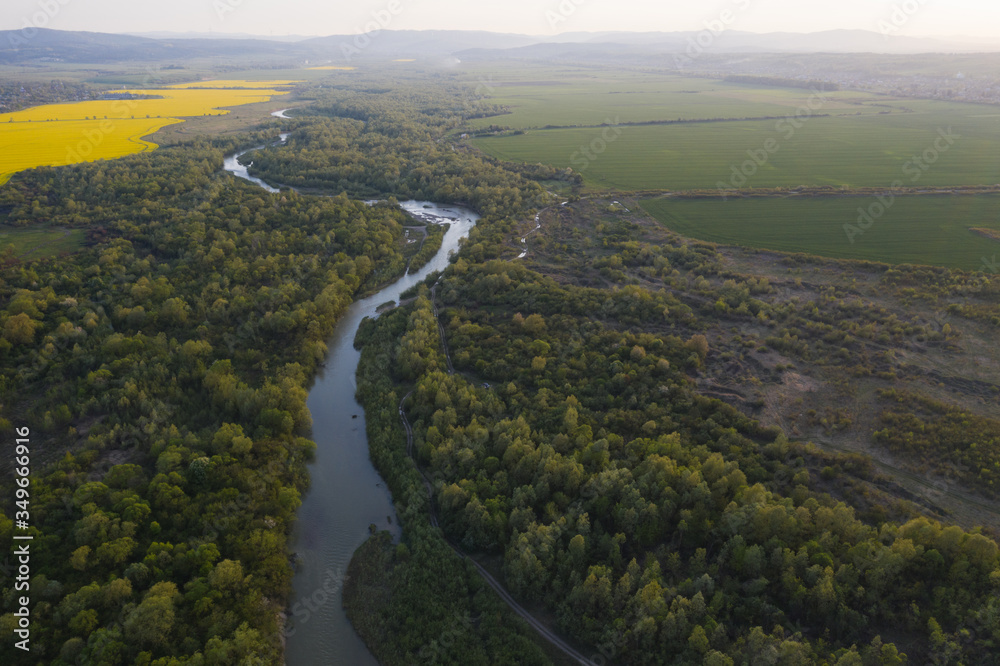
pixel 905 338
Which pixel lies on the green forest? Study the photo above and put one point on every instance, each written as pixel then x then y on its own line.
pixel 659 525
pixel 163 373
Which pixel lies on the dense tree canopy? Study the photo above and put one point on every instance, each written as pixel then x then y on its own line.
pixel 163 374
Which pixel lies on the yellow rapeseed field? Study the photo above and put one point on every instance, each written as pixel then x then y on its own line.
pixel 234 84
pixel 58 134
pixel 188 102
pixel 27 145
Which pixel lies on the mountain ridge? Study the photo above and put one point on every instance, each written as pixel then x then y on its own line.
pixel 56 45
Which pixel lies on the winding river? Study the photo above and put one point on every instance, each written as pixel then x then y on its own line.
pixel 232 165
pixel 347 493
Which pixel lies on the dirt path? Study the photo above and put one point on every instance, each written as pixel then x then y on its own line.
pixel 501 591
pixel 538 225
pixel 444 340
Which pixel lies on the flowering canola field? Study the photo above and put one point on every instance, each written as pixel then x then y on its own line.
pixel 237 83
pixel 60 134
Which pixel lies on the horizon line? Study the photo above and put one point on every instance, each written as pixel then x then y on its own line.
pixel 210 32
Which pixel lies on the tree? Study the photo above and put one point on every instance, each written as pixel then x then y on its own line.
pixel 20 329
pixel 150 623
pixel 699 345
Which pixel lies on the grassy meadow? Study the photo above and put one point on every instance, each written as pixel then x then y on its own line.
pixel 37 243
pixel 932 230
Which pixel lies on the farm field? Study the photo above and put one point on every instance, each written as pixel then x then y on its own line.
pixel 167 102
pixel 231 83
pixel 840 139
pixel 28 145
pixel 570 101
pixel 932 230
pixel 864 151
pixel 58 134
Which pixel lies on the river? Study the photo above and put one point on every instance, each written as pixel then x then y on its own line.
pixel 233 166
pixel 347 493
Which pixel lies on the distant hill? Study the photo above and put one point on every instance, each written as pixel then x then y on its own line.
pixel 409 43
pixel 593 46
pixel 829 41
pixel 18 46
pixel 218 35
pixel 99 47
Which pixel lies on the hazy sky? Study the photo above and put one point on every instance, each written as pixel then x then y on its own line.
pixel 980 18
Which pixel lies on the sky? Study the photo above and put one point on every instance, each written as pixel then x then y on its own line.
pixel 975 18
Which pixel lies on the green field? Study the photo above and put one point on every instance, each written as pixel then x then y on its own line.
pixel 857 151
pixel 845 139
pixel 930 230
pixel 569 100
pixel 38 243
